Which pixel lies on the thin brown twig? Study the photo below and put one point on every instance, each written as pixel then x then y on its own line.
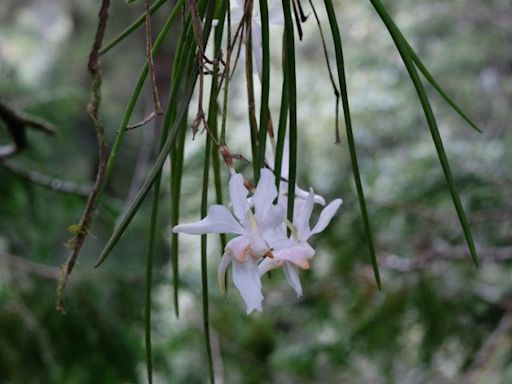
pixel 75 244
pixel 232 41
pixel 253 123
pixel 331 76
pixel 146 120
pixel 151 65
pixel 197 28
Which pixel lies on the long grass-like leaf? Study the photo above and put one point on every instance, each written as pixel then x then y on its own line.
pixel 132 27
pixel 431 120
pixel 204 261
pixel 127 217
pixel 426 73
pixel 265 87
pixel 149 278
pixel 137 91
pixel 292 100
pixel 281 130
pixel 148 183
pixel 350 136
pixel 177 158
pixel 213 112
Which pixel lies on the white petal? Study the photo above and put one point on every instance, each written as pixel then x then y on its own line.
pixel 304 194
pixel 221 271
pixel 238 247
pixel 275 217
pixel 292 275
pixel 299 255
pixel 247 279
pixel 303 211
pixel 238 194
pixel 326 216
pixel 267 265
pixel 218 220
pixel 264 195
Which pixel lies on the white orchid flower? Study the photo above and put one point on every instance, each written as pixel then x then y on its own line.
pixel 249 247
pixel 295 252
pixel 275 16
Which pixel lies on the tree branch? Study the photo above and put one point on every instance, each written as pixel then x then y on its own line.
pixel 75 243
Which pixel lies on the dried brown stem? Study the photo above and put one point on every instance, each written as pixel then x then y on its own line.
pixel 331 76
pixel 151 65
pixel 146 120
pixel 76 243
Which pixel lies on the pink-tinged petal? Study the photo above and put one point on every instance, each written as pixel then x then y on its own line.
pixel 299 255
pixel 264 195
pixel 304 195
pixel 238 248
pixel 238 194
pixel 221 271
pixel 247 280
pixel 326 216
pixel 292 275
pixel 218 220
pixel 303 210
pixel 268 264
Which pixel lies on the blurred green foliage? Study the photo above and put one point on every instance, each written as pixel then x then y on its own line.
pixel 437 320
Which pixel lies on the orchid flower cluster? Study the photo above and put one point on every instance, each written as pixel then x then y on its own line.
pixel 262 242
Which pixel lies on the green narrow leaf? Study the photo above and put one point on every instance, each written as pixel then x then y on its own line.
pixel 149 277
pixel 152 242
pixel 350 136
pixel 436 136
pixel 204 262
pixel 133 26
pixel 136 93
pixel 281 130
pixel 426 73
pixel 127 217
pixel 291 82
pixel 213 113
pixel 177 157
pixel 265 88
pixel 148 183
